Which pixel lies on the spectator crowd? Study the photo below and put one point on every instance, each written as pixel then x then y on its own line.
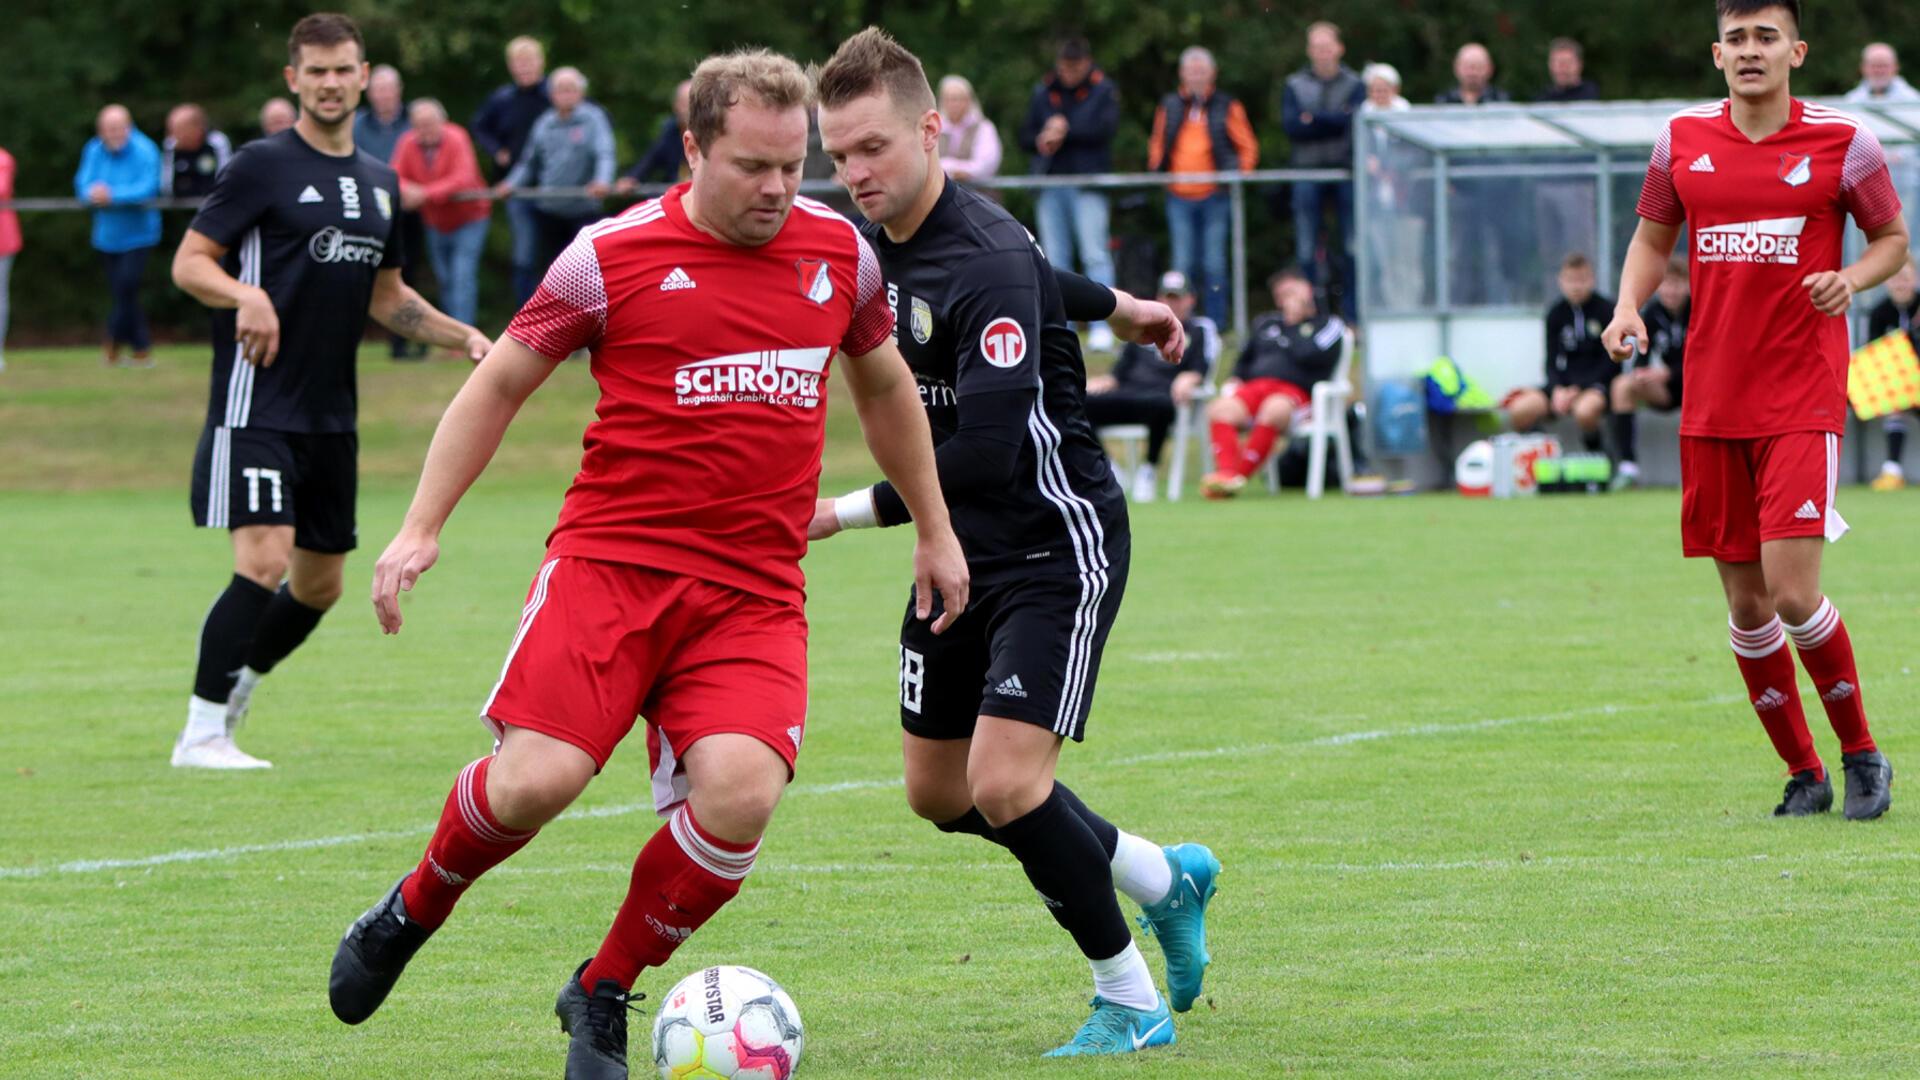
pixel 542 146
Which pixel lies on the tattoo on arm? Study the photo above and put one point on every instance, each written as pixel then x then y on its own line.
pixel 409 317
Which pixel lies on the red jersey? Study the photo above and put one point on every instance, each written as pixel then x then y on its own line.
pixel 1761 359
pixel 712 363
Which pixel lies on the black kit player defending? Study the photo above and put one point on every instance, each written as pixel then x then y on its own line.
pixel 987 704
pixel 295 246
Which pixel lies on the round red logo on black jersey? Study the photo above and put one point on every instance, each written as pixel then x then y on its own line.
pixel 1003 343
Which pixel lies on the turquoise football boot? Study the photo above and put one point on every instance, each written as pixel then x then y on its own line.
pixel 1116 1029
pixel 1179 920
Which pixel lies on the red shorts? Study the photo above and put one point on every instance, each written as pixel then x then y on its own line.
pixel 1738 493
pixel 1254 393
pixel 601 644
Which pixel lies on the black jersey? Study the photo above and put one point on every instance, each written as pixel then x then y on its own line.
pixel 1301 353
pixel 313 230
pixel 1575 355
pixel 979 318
pixel 1887 316
pixel 1140 368
pixel 1667 335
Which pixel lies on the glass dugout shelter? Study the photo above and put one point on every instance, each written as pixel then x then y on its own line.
pixel 1463 215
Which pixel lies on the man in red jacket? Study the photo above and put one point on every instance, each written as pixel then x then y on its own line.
pixel 9 246
pixel 436 165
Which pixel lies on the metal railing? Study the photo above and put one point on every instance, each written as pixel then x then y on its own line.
pixel 1236 184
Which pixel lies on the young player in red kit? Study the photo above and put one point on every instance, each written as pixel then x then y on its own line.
pixel 671 588
pixel 1764 183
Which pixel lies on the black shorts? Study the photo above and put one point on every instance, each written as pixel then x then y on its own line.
pixel 1027 650
pixel 248 476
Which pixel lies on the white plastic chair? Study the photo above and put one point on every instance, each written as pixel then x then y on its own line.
pixel 1189 422
pixel 1323 420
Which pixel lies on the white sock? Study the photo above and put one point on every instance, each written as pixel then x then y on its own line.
pixel 1140 870
pixel 248 678
pixel 1124 980
pixel 205 719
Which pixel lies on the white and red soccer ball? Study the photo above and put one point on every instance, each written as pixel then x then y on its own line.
pixel 727 1023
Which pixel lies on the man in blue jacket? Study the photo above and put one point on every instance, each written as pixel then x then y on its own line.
pixel 1317 105
pixel 1069 131
pixel 119 170
pixel 500 131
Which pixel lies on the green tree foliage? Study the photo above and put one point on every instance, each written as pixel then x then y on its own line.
pixel 65 59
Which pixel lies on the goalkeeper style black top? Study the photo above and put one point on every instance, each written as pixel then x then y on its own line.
pixel 979 315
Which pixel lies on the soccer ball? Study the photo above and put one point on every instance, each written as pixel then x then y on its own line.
pixel 1473 470
pixel 727 1023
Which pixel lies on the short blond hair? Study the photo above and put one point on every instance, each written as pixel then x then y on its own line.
pixel 526 41
pixel 724 80
pixel 869 62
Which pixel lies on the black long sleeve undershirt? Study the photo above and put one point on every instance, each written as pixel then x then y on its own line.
pixel 1085 299
pixel 980 456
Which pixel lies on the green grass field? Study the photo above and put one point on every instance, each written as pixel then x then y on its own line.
pixel 1488 795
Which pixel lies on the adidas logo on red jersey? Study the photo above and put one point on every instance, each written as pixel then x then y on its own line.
pixel 1703 163
pixel 1807 511
pixel 677 279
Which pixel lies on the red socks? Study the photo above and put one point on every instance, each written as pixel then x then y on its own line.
pixel 1827 654
pixel 1228 458
pixel 467 843
pixel 1772 687
pixel 1226 447
pixel 681 878
pixel 1259 445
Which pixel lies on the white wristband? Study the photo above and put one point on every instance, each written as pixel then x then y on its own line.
pixel 856 511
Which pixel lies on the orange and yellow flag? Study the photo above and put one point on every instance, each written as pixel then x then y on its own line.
pixel 1884 377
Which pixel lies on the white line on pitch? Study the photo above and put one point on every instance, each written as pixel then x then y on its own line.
pixel 91 866
pixel 1785 863
pixel 1347 738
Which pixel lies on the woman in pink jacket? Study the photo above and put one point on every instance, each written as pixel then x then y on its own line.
pixel 436 163
pixel 969 143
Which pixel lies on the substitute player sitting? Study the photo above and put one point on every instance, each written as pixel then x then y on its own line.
pixel 1287 351
pixel 1579 371
pixel 1654 381
pixel 1765 182
pixel 672 587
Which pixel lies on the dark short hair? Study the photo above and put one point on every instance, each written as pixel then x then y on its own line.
pixel 1285 273
pixel 1576 261
pixel 1074 48
pixel 1748 7
pixel 1679 268
pixel 1566 44
pixel 323 29
pixel 869 62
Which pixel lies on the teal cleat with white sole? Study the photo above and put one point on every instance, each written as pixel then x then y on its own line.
pixel 1179 920
pixel 1116 1029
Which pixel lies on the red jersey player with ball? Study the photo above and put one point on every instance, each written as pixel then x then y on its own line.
pixel 671 588
pixel 1765 182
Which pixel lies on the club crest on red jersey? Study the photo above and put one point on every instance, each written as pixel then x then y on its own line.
pixel 816 279
pixel 1796 169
